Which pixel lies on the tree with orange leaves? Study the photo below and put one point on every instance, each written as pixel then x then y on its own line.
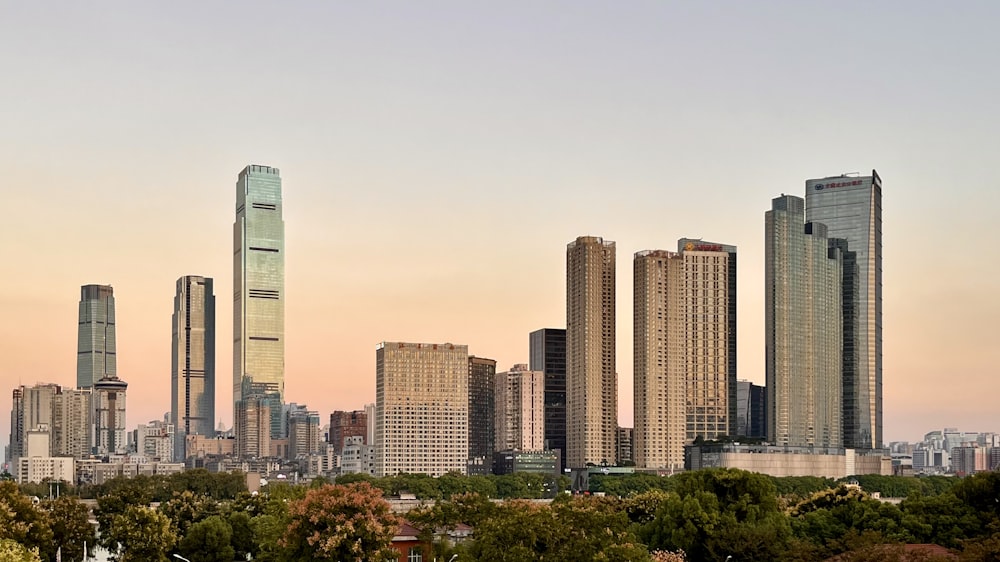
pixel 338 522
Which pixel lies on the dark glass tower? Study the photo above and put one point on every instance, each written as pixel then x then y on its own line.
pixel 482 377
pixel 547 353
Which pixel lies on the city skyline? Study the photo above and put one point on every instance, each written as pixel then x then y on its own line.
pixel 502 139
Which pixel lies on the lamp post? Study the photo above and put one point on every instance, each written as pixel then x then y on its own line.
pixel 179 557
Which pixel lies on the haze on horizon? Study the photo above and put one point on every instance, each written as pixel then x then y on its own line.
pixel 437 158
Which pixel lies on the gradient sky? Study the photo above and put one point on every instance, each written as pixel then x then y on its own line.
pixel 438 156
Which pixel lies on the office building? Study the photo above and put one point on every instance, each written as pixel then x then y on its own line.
pixel 347 424
pixel 520 410
pixel 421 408
pixel 851 209
pixel 252 426
pixel 482 409
pixel 803 329
pixel 155 440
pixel 72 420
pixel 192 367
pixel 15 440
pixel 259 284
pixel 591 378
pixel 685 384
pixel 109 416
pixel 303 431
pixel 547 353
pixel 95 349
pixel 625 443
pixel 751 408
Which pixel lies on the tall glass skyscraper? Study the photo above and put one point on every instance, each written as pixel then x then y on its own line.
pixel 258 283
pixel 851 209
pixel 803 329
pixel 192 366
pixel 95 348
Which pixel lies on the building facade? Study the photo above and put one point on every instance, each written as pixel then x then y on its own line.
pixel 520 410
pixel 347 424
pixel 684 387
pixel 421 408
pixel 547 353
pixel 803 329
pixel 109 416
pixel 591 377
pixel 72 420
pixel 259 283
pixel 751 408
pixel 96 356
pixel 851 209
pixel 303 432
pixel 192 366
pixel 482 408
pixel 252 426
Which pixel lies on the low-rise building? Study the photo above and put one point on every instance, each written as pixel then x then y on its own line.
pixel 787 461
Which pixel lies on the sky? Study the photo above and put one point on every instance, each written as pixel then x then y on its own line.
pixel 437 157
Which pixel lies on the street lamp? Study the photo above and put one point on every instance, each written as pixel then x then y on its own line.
pixel 179 557
pixel 452 559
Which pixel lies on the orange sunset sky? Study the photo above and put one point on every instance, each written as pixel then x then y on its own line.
pixel 437 158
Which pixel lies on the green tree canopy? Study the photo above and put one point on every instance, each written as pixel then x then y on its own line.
pixel 24 522
pixel 209 540
pixel 139 534
pixel 13 551
pixel 71 528
pixel 716 513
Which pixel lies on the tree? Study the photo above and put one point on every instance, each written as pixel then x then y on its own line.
pixel 186 508
pixel 242 539
pixel 71 528
pixel 340 523
pixel 716 513
pixel 565 531
pixel 23 522
pixel 139 534
pixel 13 551
pixel 209 540
pixel 847 519
pixel 118 498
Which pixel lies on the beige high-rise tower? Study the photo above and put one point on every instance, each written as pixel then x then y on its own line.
pixel 421 408
pixel 591 380
pixel 685 377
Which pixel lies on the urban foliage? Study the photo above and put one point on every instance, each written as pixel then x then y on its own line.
pixel 704 515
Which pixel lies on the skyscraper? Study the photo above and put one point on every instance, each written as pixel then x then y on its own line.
pixel 851 209
pixel 95 348
pixel 547 353
pixel 72 419
pixel 109 416
pixel 520 410
pixel 591 379
pixel 803 329
pixel 192 366
pixel 259 283
pixel 482 379
pixel 685 379
pixel 421 408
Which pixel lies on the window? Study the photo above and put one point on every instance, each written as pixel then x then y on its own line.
pixel 415 555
